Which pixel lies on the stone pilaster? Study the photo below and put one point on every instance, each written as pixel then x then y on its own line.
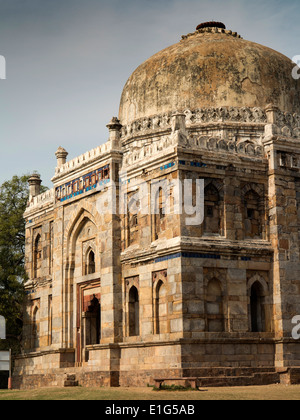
pixel 284 226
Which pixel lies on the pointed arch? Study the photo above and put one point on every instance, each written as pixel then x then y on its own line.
pixel 257 313
pixel 90 262
pixel 213 208
pixel 258 291
pixel 92 322
pixel 160 307
pixel 160 210
pixel 217 184
pixel 261 280
pixel 37 256
pixel 87 211
pixel 74 252
pixel 36 326
pixel 134 312
pixel 253 211
pixel 214 306
pixel 259 189
pixel 77 220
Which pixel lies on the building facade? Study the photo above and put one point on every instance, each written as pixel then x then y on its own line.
pixel 121 296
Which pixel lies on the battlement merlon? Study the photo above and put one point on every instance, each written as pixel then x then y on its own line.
pixel 40 203
pixel 113 144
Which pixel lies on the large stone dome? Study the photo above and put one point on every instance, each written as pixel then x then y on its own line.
pixel 212 67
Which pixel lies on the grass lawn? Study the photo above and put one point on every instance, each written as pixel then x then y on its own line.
pixel 272 392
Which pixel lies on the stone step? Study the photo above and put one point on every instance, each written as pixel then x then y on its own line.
pixel 225 379
pixel 216 372
pixel 265 378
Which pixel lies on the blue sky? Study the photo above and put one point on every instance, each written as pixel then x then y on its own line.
pixel 68 60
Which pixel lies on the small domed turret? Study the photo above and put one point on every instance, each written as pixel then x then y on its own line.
pixel 61 156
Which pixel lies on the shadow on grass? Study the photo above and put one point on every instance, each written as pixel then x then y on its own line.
pixel 177 388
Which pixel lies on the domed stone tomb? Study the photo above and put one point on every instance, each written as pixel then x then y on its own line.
pixel 126 286
pixel 212 67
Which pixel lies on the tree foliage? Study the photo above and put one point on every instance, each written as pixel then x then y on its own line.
pixel 14 195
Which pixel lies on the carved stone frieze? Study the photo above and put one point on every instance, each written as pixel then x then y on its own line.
pixel 288 124
pixel 140 151
pixel 160 123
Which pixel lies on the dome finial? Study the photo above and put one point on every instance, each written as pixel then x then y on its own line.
pixel 211 24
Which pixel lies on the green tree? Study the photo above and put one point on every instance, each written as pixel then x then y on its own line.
pixel 14 195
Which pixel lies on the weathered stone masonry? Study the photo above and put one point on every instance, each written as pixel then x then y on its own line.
pixel 121 299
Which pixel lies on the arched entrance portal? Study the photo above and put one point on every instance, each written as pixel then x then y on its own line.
pixel 91 322
pixel 89 317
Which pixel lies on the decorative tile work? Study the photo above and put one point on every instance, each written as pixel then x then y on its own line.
pixel 29 292
pixel 188 255
pixel 202 256
pixel 194 164
pixel 124 182
pixel 194 255
pixel 168 166
pixel 198 164
pixel 161 123
pixel 168 257
pixel 86 183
